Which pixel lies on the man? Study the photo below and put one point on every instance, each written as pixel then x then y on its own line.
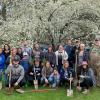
pixel 17 74
pixel 26 49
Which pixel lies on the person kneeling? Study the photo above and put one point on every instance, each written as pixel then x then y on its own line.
pixel 66 74
pixel 86 78
pixel 34 72
pixel 54 78
pixel 46 72
pixel 16 73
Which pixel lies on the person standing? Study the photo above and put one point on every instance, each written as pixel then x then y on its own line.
pixel 68 48
pixel 2 65
pixel 51 57
pixel 61 55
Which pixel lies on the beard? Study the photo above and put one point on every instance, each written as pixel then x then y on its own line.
pixel 16 65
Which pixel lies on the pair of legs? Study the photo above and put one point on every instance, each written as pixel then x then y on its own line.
pixel 13 81
pixel 86 84
pixel 31 79
pixel 54 82
pixel 1 72
pixel 65 82
pixel 43 81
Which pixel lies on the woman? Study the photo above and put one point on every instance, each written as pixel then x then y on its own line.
pixel 6 51
pixel 65 73
pixel 82 56
pixel 86 78
pixel 51 57
pixel 46 72
pixel 19 52
pixel 35 72
pixel 61 55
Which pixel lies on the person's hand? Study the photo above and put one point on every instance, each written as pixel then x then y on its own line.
pixel 38 74
pixel 71 79
pixel 31 73
pixel 10 65
pixel 16 84
pixel 81 76
pixel 46 81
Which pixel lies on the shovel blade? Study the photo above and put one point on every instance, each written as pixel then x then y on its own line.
pixel 69 92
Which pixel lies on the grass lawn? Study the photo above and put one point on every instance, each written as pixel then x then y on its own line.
pixel 59 94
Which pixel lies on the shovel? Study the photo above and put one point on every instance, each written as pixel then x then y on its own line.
pixel 0 85
pixel 35 82
pixel 70 91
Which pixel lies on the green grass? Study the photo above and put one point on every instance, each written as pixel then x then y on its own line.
pixel 59 94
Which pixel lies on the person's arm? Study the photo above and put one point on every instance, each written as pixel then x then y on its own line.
pixel 21 75
pixel 3 60
pixel 44 73
pixel 65 55
pixel 92 76
pixel 8 60
pixel 54 59
pixel 7 71
pixel 52 74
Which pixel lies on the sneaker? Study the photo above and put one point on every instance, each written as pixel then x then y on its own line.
pixel 20 91
pixel 85 91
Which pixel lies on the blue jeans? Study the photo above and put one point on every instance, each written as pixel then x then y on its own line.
pixel 54 81
pixel 43 80
pixel 1 72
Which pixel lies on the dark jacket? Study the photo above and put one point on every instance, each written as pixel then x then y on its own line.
pixel 6 54
pixel 68 49
pixel 65 73
pixel 36 72
pixel 51 57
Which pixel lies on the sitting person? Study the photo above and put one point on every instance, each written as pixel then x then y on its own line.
pixel 86 78
pixel 65 74
pixel 17 74
pixel 46 72
pixel 54 78
pixel 35 72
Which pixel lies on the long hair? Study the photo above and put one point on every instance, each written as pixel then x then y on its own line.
pixel 8 47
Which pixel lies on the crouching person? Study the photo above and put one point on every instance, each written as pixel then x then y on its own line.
pixel 54 79
pixel 46 72
pixel 66 74
pixel 17 75
pixel 86 78
pixel 34 72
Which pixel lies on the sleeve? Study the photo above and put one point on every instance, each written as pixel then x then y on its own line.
pixel 65 55
pixel 7 71
pixel 2 60
pixel 91 74
pixel 43 73
pixel 54 59
pixel 8 60
pixel 21 75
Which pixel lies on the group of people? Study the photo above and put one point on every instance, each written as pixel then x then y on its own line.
pixel 51 68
